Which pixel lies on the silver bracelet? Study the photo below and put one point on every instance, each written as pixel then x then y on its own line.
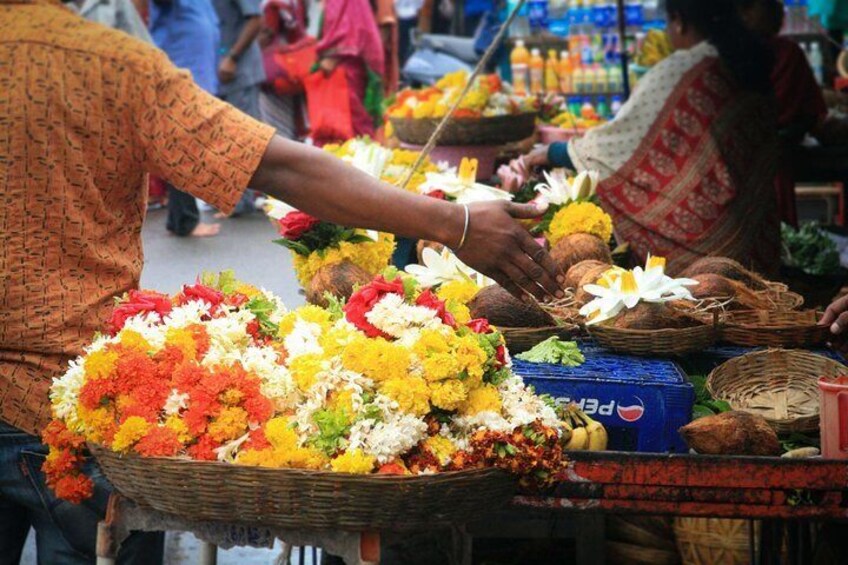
pixel 465 229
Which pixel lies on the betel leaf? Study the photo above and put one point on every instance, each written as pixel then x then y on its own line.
pixel 295 246
pixel 701 411
pixel 810 249
pixel 554 351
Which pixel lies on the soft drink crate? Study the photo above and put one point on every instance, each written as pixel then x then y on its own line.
pixel 642 402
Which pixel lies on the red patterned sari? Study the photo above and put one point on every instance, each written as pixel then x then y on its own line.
pixel 699 179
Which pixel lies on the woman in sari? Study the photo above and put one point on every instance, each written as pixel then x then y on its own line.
pixel 350 41
pixel 687 167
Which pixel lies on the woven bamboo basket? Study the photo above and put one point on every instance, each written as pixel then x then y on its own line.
pixel 657 343
pixel 778 384
pixel 756 328
pixel 292 498
pixel 519 340
pixel 781 299
pixel 713 541
pixel 493 130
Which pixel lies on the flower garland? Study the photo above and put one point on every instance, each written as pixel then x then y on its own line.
pixel 395 381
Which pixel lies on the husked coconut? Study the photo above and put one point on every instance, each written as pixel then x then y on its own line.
pixel 731 433
pixel 591 276
pixel 575 274
pixel 718 287
pixel 578 247
pixel 727 268
pixel 504 310
pixel 338 279
pixel 651 316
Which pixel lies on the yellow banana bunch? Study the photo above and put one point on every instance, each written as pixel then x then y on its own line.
pixel 585 434
pixel 655 48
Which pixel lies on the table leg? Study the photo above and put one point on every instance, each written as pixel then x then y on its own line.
pixel 208 553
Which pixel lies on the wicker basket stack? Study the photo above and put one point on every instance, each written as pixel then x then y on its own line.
pixel 495 130
pixel 709 541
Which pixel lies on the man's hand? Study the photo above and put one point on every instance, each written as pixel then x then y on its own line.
pixel 227 69
pixel 519 170
pixel 500 248
pixel 836 317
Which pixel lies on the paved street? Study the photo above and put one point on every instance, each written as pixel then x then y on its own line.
pixel 244 245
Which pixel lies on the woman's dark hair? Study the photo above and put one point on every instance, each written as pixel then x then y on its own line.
pixel 745 54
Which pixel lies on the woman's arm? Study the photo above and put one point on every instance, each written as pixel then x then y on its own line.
pixel 324 186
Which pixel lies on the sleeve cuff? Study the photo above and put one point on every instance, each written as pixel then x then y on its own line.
pixel 558 155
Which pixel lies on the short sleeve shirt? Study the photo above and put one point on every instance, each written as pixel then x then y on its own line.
pixel 85 113
pixel 232 15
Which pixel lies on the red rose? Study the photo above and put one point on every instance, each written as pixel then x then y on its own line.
pixel 480 326
pixel 294 224
pixel 137 302
pixel 198 291
pixel 501 356
pixel 430 300
pixel 364 299
pixel 438 194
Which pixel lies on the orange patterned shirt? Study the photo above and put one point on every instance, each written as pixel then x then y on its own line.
pixel 85 113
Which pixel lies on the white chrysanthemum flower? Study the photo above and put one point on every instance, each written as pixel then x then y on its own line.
pixel 277 383
pixel 229 332
pixel 280 309
pixel 101 341
pixel 370 158
pixel 149 326
pixel 389 439
pixel 303 339
pixel 394 316
pixel 189 313
pixel 64 393
pixel 521 406
pixel 486 420
pixel 227 452
pixel 175 402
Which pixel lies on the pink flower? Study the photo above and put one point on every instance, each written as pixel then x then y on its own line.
pixel 294 224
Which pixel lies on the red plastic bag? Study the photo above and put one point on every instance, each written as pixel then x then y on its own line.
pixel 328 106
pixel 287 65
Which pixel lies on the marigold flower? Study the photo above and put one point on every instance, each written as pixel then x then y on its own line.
pixel 448 394
pixel 442 449
pixel 353 461
pixel 462 291
pixel 160 441
pixel 132 430
pixel 483 399
pixel 230 424
pixel 411 393
pixel 580 217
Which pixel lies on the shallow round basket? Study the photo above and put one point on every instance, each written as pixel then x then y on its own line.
pixel 782 300
pixel 494 130
pixel 655 343
pixel 761 328
pixel 519 340
pixel 291 498
pixel 781 385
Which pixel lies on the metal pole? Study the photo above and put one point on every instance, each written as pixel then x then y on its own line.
pixel 208 553
pixel 622 36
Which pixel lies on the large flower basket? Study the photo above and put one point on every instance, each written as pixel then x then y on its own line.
pixel 495 130
pixel 292 498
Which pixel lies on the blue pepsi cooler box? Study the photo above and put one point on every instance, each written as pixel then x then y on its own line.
pixel 641 402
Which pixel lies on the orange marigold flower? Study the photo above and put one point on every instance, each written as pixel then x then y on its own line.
pixel 230 424
pixel 160 441
pixel 204 449
pixel 73 488
pixel 95 392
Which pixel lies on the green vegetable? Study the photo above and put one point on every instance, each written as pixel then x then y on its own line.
pixel 810 249
pixel 554 351
pixel 333 426
pixel 705 404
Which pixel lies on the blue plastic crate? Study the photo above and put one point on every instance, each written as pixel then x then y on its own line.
pixel 642 402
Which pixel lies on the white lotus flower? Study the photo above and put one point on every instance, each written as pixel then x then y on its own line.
pixel 559 191
pixel 442 267
pixel 371 158
pixel 620 290
pixel 461 186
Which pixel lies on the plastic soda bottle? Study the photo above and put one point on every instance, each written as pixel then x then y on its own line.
pixel 537 72
pixel 565 85
pixel 552 72
pixel 520 63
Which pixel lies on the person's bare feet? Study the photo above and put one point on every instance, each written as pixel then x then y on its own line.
pixel 206 230
pixel 221 216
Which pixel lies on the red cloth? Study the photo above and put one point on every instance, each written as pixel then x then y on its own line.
pixel 799 97
pixel 701 181
pixel 350 30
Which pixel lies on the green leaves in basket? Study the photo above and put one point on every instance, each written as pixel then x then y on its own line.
pixel 556 352
pixel 705 404
pixel 333 426
pixel 809 249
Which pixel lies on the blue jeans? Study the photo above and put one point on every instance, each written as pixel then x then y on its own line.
pixel 65 532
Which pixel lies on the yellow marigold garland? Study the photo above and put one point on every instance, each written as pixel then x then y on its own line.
pixel 580 217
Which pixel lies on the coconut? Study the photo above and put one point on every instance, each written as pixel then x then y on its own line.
pixel 651 316
pixel 338 279
pixel 727 268
pixel 503 309
pixel 423 244
pixel 577 247
pixel 581 297
pixel 575 273
pixel 721 288
pixel 731 433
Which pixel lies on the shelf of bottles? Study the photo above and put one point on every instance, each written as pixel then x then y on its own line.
pixel 574 48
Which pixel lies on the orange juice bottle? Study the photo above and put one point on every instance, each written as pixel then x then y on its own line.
pixel 537 72
pixel 564 72
pixel 520 63
pixel 552 73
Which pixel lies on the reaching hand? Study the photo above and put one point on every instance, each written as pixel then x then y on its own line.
pixel 836 316
pixel 520 170
pixel 227 70
pixel 500 248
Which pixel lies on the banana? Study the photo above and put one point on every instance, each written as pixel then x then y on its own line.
pixel 579 440
pixel 597 437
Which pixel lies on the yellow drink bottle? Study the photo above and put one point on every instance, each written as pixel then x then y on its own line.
pixel 520 62
pixel 537 72
pixel 552 73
